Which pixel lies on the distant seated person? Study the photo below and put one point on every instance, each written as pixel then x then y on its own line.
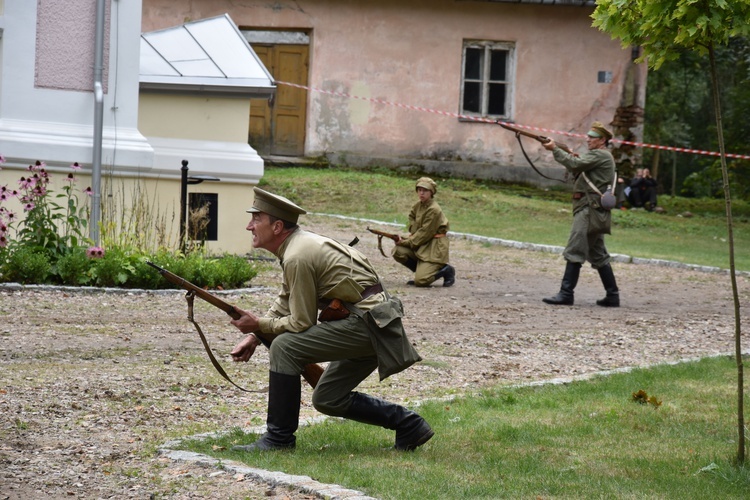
pixel 643 190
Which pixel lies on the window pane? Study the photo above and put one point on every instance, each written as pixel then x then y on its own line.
pixel 473 64
pixel 498 65
pixel 471 96
pixel 496 104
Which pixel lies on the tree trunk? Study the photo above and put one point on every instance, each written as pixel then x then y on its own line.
pixel 732 272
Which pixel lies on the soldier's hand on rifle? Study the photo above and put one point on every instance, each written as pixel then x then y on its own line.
pixel 247 322
pixel 245 349
pixel 549 145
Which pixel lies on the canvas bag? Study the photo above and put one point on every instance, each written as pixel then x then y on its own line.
pixel 608 199
pixel 395 352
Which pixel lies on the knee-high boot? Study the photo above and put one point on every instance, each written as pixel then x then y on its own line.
pixel 412 430
pixel 283 414
pixel 570 280
pixel 610 285
pixel 448 273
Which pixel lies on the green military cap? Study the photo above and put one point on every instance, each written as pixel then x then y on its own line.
pixel 598 130
pixel 275 205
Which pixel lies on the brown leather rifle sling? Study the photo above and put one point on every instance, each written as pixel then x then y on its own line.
pixel 519 133
pixel 190 298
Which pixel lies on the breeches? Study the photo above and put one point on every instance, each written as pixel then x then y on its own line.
pixel 345 343
pixel 426 271
pixel 583 246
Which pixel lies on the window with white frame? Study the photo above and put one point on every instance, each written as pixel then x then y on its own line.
pixel 487 80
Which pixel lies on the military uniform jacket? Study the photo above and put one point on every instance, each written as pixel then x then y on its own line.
pixel 425 221
pixel 599 165
pixel 312 266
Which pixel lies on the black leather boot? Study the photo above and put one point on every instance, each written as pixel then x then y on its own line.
pixel 283 414
pixel 610 285
pixel 448 273
pixel 412 430
pixel 570 279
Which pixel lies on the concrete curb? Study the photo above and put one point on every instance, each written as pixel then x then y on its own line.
pixel 303 484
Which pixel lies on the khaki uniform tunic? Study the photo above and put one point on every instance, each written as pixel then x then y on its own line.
pixel 430 253
pixel 312 265
pixel 585 243
pixel 425 221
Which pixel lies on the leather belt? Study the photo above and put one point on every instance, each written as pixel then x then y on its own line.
pixel 372 290
pixel 578 196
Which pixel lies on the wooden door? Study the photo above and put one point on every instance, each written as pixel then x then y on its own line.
pixel 277 126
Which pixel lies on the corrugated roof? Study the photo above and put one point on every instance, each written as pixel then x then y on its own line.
pixel 209 55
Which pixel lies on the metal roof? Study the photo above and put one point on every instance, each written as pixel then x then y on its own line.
pixel 206 56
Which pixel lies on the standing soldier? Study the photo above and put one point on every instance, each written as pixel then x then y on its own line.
pixel 593 171
pixel 425 250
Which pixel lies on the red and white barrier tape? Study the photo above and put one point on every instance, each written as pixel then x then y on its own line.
pixel 487 120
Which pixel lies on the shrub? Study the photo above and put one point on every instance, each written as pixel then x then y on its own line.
pixel 235 271
pixel 26 265
pixel 112 269
pixel 73 268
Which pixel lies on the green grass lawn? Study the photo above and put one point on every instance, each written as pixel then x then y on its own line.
pixel 523 213
pixel 586 439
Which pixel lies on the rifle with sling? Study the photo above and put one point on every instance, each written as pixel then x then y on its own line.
pixel 519 132
pixel 311 372
pixel 382 234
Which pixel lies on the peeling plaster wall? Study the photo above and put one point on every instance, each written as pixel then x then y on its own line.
pixel 410 52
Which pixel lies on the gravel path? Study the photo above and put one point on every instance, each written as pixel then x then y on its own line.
pixel 94 383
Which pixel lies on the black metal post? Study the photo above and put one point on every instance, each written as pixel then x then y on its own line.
pixel 183 205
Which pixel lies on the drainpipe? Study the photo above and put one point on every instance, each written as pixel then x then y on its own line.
pixel 96 164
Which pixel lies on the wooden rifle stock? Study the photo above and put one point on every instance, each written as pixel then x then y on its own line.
pixel 311 372
pixel 538 137
pixel 381 234
pixel 392 236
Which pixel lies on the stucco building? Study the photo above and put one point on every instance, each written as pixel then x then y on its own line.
pixel 533 62
pixel 372 82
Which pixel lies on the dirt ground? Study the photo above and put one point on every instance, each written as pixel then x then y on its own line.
pixel 93 383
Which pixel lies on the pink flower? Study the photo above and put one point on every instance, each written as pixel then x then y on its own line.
pixel 70 178
pixel 26 183
pixel 75 166
pixel 2 159
pixel 89 191
pixel 95 252
pixel 28 207
pixel 3 241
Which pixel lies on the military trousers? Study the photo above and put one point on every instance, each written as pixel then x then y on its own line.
pixel 345 343
pixel 426 271
pixel 584 246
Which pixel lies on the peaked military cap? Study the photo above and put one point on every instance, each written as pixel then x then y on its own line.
pixel 275 205
pixel 598 130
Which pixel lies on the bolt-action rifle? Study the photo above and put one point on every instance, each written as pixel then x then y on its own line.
pixel 382 234
pixel 311 372
pixel 519 132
